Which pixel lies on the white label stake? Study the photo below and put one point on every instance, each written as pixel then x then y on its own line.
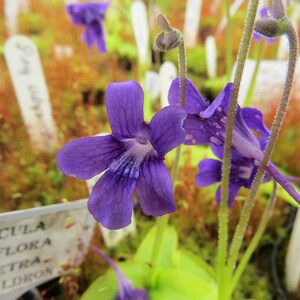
pixel 292 262
pixel 191 22
pixel 167 74
pixel 29 83
pixel 211 56
pixel 140 29
pixel 36 242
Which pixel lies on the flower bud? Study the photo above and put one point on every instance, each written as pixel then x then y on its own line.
pixel 271 28
pixel 166 41
pixel 169 39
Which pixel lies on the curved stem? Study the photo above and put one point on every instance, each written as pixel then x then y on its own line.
pixel 162 222
pixel 256 238
pixel 245 215
pixel 255 72
pixel 223 212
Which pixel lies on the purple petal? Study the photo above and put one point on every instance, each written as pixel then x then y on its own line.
pixel 126 290
pixel 101 43
pixel 86 13
pixel 209 172
pixel 263 143
pixel 254 120
pixel 233 191
pixel 89 36
pixel 84 158
pixel 221 102
pixel 124 104
pixel 282 180
pixel 197 131
pixel 155 189
pixel 219 152
pixel 194 102
pixel 263 12
pixel 166 129
pixel 111 201
pixel 75 11
pixel 257 37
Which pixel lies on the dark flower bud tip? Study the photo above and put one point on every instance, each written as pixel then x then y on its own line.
pixel 270 28
pixel 166 41
pixel 278 10
pixel 163 23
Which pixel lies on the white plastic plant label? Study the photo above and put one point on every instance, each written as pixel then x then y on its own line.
pixel 152 85
pixel 167 74
pixel 112 238
pixel 11 13
pixel 30 87
pixel 140 29
pixel 191 22
pixel 292 262
pixel 211 56
pixel 269 83
pixel 36 244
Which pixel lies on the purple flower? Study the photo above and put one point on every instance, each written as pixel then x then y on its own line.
pixel 126 292
pixel 133 155
pixel 90 15
pixel 242 173
pixel 206 124
pixel 263 13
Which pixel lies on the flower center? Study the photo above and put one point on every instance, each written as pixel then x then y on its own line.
pixel 128 164
pixel 142 140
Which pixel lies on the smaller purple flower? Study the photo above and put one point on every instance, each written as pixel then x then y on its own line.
pixel 90 15
pixel 126 290
pixel 242 173
pixel 263 13
pixel 206 124
pixel 133 156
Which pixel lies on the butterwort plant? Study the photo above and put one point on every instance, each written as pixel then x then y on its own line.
pixel 132 156
pixel 90 15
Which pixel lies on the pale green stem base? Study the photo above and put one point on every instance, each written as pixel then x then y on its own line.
pixel 255 240
pixel 162 222
pixel 250 91
pixel 224 277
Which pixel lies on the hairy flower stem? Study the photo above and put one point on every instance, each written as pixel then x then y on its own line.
pixel 255 240
pixel 228 40
pixel 250 91
pixel 280 114
pixel 162 222
pixel 223 212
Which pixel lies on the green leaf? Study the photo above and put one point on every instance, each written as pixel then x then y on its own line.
pixel 281 192
pixel 181 285
pixel 188 261
pixel 105 286
pixel 168 247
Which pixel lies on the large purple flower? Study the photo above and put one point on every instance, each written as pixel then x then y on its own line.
pixel 133 155
pixel 90 15
pixel 126 290
pixel 206 124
